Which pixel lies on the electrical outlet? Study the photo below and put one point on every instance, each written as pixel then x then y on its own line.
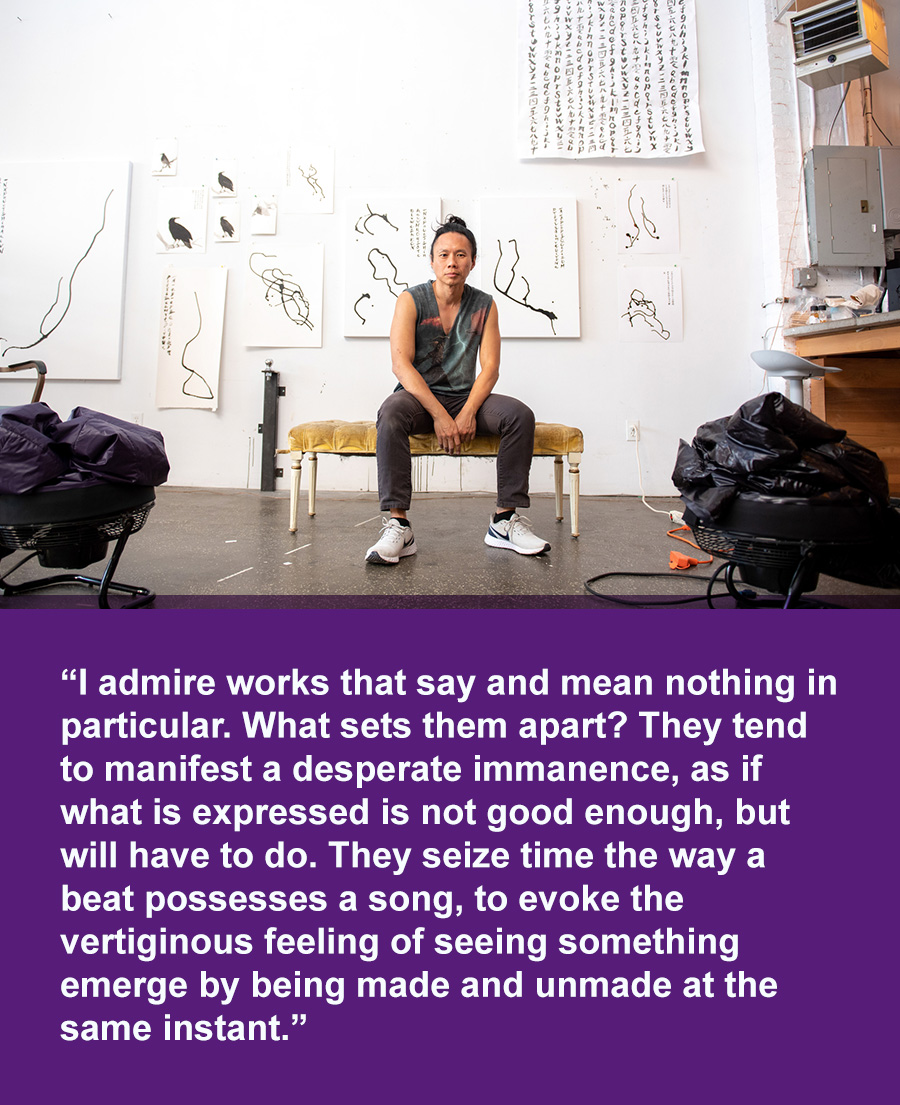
pixel 632 430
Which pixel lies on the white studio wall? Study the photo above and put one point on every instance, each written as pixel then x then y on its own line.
pixel 399 99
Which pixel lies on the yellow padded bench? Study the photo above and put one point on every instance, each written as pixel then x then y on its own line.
pixel 357 439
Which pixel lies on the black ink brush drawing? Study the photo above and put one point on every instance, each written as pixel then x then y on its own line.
pixel 384 269
pixel 44 334
pixel 362 223
pixel 193 376
pixel 311 176
pixel 520 296
pixel 365 295
pixel 639 307
pixel 180 233
pixel 283 291
pixel 646 222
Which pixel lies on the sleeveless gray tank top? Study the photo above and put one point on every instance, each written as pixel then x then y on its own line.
pixel 449 362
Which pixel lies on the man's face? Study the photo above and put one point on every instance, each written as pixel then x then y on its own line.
pixel 452 260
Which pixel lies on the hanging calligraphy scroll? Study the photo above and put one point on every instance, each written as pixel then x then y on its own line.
pixel 190 338
pixel 608 78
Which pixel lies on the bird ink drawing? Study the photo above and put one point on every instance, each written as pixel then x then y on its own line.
pixel 180 233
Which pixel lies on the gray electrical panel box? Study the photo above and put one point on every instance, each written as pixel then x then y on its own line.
pixel 889 169
pixel 844 205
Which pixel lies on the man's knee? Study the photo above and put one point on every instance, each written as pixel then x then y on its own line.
pixel 393 414
pixel 520 416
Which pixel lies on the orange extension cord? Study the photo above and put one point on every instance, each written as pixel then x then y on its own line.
pixel 680 560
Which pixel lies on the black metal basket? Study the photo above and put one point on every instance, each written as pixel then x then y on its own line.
pixel 71 529
pixel 73 544
pixel 782 544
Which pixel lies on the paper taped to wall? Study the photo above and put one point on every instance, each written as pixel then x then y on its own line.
pixel 598 79
pixel 190 338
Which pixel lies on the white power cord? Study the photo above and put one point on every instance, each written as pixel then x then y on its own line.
pixel 672 515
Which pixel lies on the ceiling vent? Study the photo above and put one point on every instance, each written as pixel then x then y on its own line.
pixel 838 42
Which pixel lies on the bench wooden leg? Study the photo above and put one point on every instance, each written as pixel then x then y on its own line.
pixel 295 490
pixel 558 486
pixel 313 466
pixel 574 488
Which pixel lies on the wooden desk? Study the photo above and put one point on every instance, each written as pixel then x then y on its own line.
pixel 864 397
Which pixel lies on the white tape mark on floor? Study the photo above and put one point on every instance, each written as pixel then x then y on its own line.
pixel 233 574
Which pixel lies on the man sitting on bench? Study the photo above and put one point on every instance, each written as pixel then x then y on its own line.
pixel 440 331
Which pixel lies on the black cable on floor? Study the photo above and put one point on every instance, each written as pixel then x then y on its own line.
pixel 706 597
pixel 750 598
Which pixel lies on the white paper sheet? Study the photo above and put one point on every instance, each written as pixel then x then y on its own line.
pixel 647 216
pixel 283 297
pixel 387 245
pixel 309 180
pixel 181 218
pixel 528 260
pixel 604 79
pixel 63 238
pixel 650 305
pixel 190 338
pixel 226 221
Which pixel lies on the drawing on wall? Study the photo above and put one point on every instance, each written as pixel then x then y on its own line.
pixel 650 305
pixel 369 218
pixel 528 257
pixel 283 297
pixel 63 239
pixel 309 181
pixel 226 221
pixel 164 159
pixel 223 182
pixel 190 344
pixel 608 80
pixel 647 216
pixel 388 240
pixel 264 215
pixel 181 218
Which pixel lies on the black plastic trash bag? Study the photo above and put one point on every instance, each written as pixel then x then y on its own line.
pixel 776 472
pixel 775 447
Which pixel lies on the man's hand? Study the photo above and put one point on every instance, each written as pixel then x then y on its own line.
pixel 465 424
pixel 447 433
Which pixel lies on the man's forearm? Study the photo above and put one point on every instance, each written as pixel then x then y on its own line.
pixel 485 382
pixel 411 380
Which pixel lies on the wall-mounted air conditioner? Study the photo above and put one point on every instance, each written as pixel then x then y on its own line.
pixel 838 42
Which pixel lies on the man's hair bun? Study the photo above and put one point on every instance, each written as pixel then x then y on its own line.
pixel 453 224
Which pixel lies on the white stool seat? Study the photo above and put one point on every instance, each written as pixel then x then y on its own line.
pixel 790 367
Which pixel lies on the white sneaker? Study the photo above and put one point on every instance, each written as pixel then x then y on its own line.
pixel 395 541
pixel 515 533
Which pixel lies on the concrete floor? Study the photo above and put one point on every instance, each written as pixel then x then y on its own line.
pixel 233 548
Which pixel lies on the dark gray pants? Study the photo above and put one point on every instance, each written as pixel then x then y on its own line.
pixel 402 414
